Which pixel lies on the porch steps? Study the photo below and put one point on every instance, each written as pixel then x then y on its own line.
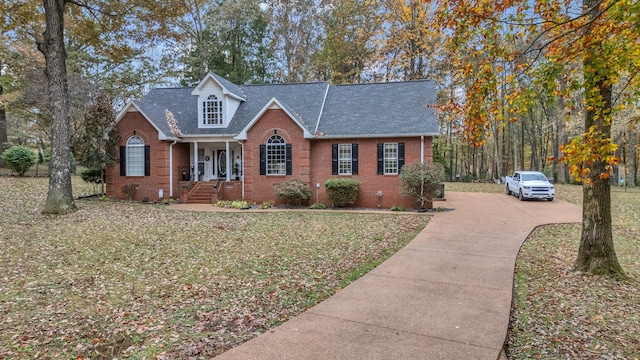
pixel 203 193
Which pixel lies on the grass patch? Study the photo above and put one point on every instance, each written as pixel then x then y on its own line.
pixel 561 314
pixel 131 280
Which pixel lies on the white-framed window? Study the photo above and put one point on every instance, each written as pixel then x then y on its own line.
pixel 391 158
pixel 212 111
pixel 276 156
pixel 135 156
pixel 344 159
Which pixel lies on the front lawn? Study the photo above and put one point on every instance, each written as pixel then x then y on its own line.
pixel 129 280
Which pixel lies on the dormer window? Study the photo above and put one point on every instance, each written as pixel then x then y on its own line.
pixel 212 111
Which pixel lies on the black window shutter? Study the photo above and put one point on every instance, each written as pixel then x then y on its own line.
pixel 354 159
pixel 334 159
pixel 147 161
pixel 288 157
pixel 380 159
pixel 123 161
pixel 400 156
pixel 263 160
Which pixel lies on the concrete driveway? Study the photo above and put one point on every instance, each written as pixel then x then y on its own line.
pixel 446 295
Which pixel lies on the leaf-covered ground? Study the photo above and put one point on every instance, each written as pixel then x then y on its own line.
pixel 561 314
pixel 125 280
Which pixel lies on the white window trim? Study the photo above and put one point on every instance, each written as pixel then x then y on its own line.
pixel 135 147
pixel 278 146
pixel 348 160
pixel 205 104
pixel 389 159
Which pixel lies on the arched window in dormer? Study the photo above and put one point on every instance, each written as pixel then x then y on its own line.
pixel 212 111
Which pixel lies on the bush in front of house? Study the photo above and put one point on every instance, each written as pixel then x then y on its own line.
pixel 92 176
pixel 342 192
pixel 294 191
pixel 318 206
pixel 19 158
pixel 129 190
pixel 420 182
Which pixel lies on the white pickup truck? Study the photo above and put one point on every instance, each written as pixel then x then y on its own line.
pixel 530 185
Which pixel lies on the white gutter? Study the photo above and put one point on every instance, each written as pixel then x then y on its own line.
pixel 171 169
pixel 324 100
pixel 422 149
pixel 376 136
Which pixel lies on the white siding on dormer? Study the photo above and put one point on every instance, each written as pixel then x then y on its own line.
pixel 229 104
pixel 230 107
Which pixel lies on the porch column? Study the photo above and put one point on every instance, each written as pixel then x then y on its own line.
pixel 229 160
pixel 194 161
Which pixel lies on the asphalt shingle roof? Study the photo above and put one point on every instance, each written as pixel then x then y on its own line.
pixel 380 109
pixel 361 110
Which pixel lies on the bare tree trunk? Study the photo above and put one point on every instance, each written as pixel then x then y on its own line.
pixel 4 141
pixel 496 152
pixel 632 153
pixel 60 196
pixel 596 254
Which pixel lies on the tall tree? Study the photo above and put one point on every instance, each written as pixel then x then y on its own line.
pixel 95 147
pixel 60 196
pixel 296 29
pixel 600 35
pixel 233 44
pixel 104 33
pixel 349 46
pixel 409 42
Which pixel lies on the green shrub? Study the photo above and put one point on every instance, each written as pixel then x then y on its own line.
pixel 267 205
pixel 318 206
pixel 398 208
pixel 293 191
pixel 421 181
pixel 223 203
pixel 19 158
pixel 342 192
pixel 235 204
pixel 92 176
pixel 239 204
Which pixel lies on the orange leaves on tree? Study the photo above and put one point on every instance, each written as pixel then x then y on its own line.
pixel 583 151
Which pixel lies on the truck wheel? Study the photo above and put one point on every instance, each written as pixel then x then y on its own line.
pixel 550 199
pixel 520 196
pixel 507 190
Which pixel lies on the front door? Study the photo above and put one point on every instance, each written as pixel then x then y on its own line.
pixel 204 164
pixel 222 164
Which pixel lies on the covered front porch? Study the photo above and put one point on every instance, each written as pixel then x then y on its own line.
pixel 214 160
pixel 215 172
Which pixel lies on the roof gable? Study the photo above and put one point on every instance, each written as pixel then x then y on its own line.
pixel 132 106
pixel 267 106
pixel 228 88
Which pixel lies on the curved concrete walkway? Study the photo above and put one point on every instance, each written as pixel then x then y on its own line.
pixel 446 295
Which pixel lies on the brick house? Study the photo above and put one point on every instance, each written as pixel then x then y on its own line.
pixel 236 142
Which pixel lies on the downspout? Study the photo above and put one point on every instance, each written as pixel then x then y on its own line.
pixel 243 167
pixel 171 169
pixel 422 171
